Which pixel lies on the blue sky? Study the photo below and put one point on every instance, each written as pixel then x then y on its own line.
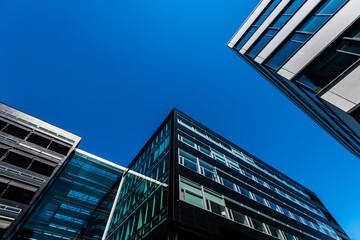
pixel 110 72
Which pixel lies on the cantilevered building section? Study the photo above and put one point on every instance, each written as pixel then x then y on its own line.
pixel 190 183
pixel 76 204
pixel 31 153
pixel 309 50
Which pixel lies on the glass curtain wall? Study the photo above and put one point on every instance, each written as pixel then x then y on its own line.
pixel 143 201
pixel 76 204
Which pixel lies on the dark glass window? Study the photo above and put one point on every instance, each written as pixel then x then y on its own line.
pixel 42 168
pixel 283 54
pixel 218 209
pixel 38 140
pixel 258 225
pixel 240 218
pixel 59 148
pixel 2 151
pixel 2 124
pixel 259 199
pixel 245 192
pixel 275 232
pixel 16 131
pixel 326 69
pixel 17 160
pixel 18 194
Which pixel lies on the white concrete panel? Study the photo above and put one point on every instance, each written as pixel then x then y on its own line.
pixel 249 21
pixel 265 24
pixel 286 30
pixel 338 101
pixel 325 36
pixel 345 94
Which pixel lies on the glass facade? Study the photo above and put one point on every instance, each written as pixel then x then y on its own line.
pixel 76 204
pixel 273 29
pixel 143 201
pixel 333 63
pixel 240 188
pixel 256 25
pixel 304 32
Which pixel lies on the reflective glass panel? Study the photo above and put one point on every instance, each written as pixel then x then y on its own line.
pixel 314 23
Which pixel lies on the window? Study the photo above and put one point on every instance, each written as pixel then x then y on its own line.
pixel 42 168
pixel 2 124
pixel 228 184
pixel 17 160
pixel 275 232
pixel 191 193
pixel 59 148
pixel 16 131
pixel 333 62
pixel 207 170
pixel 256 25
pixel 38 140
pixel 289 236
pixel 244 192
pixel 259 199
pixel 273 206
pixel 215 203
pixel 240 218
pixel 258 225
pixel 188 160
pixel 2 151
pixel 275 27
pixel 304 32
pixel 19 192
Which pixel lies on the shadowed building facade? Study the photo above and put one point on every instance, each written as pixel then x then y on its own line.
pixel 310 51
pixel 190 183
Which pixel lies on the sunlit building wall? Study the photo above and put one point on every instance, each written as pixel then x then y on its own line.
pixel 310 51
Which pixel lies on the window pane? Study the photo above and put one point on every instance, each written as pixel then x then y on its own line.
pixel 228 184
pixel 218 209
pixel 350 46
pixel 188 156
pixel 259 46
pixel 259 199
pixel 314 23
pixel 258 225
pixel 281 21
pixel 245 38
pixel 191 188
pixel 275 232
pixel 194 199
pixel 189 164
pixel 283 54
pixel 299 37
pixel 215 198
pixel 286 212
pixel 240 218
pixel 294 7
pixel 245 192
pixel 289 236
pixel 273 206
pixel 205 151
pixel 331 6
pixel 321 74
pixel 188 142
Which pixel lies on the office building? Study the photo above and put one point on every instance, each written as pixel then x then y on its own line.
pixel 31 153
pixel 188 182
pixel 309 50
pixel 77 203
